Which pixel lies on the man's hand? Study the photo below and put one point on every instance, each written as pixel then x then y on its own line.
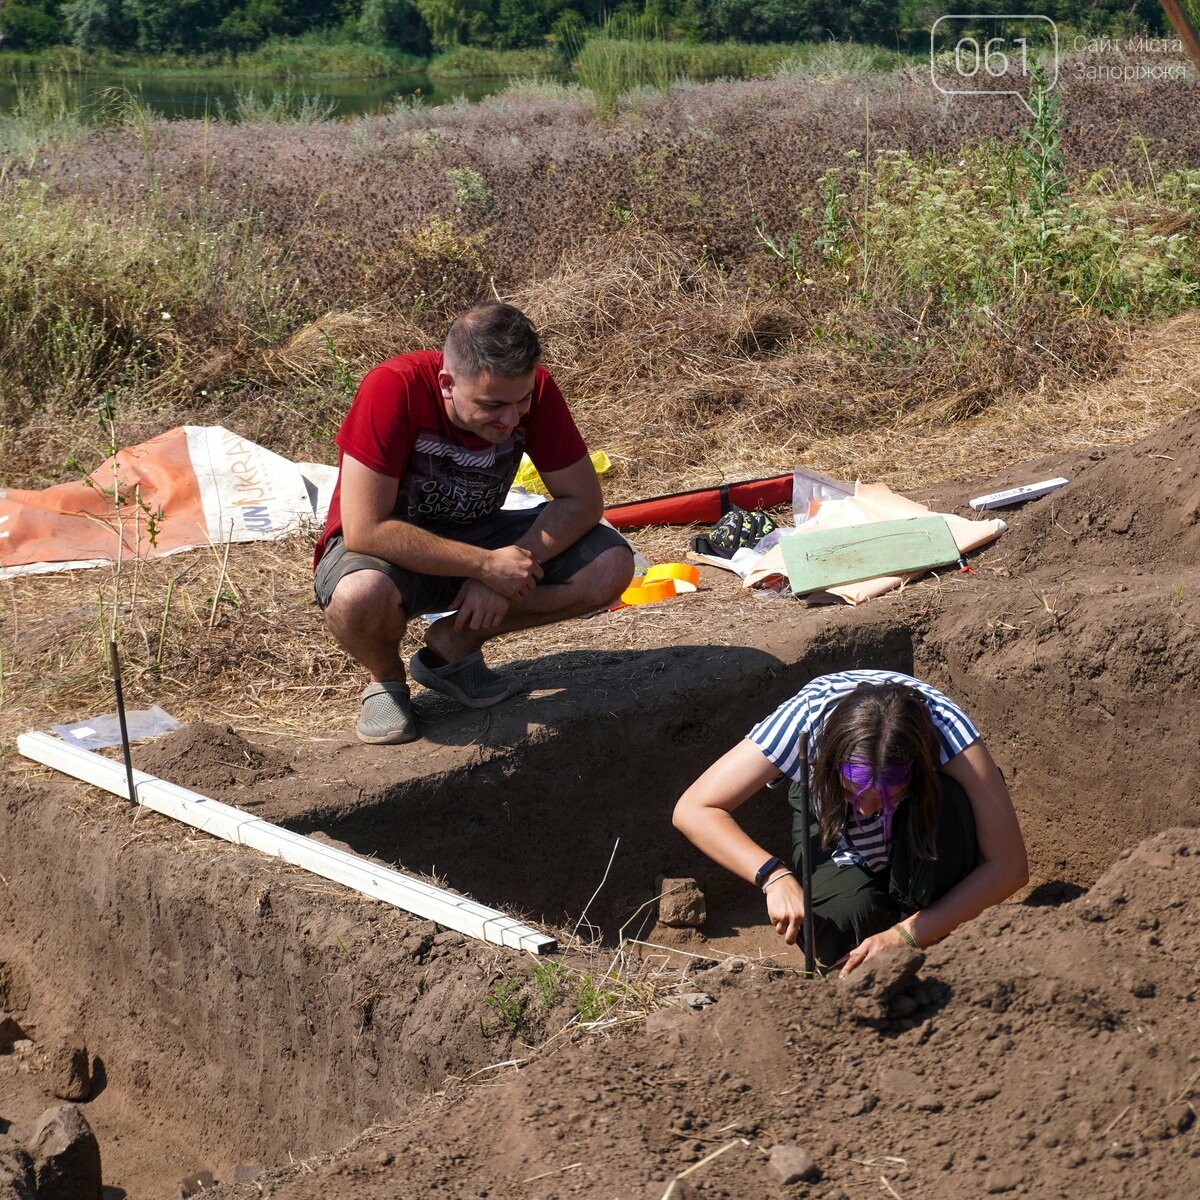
pixel 785 907
pixel 889 939
pixel 511 571
pixel 479 607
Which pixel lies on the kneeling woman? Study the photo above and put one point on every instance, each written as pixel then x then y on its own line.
pixel 914 830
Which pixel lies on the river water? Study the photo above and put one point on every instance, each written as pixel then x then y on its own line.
pixel 179 96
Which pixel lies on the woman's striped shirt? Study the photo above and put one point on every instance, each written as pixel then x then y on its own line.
pixel 777 736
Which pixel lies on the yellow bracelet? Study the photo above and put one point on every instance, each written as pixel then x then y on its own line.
pixel 907 936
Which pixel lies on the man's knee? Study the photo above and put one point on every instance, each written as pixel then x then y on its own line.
pixel 606 576
pixel 362 600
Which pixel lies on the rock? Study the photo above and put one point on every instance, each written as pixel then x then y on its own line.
pixel 243 1173
pixel 70 1071
pixel 892 1081
pixel 690 1000
pixel 193 1185
pixel 66 1156
pixel 791 1164
pixel 1005 1179
pixel 681 903
pixel 928 1102
pixel 10 1031
pixel 14 992
pixel 16 1176
pixel 986 1091
pixel 868 991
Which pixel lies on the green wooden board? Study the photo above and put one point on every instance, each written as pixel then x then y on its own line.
pixel 830 557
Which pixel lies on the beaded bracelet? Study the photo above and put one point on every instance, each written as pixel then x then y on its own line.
pixel 907 936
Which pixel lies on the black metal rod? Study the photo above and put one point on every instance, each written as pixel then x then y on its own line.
pixel 114 660
pixel 810 962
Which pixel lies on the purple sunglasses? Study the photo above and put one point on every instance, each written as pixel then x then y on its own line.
pixel 862 777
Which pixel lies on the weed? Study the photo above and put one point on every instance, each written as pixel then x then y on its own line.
pixel 507 1005
pixel 344 376
pixel 548 976
pixel 281 106
pixel 1177 596
pixel 470 190
pixel 594 998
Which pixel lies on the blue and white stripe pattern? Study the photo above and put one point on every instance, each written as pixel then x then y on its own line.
pixel 778 735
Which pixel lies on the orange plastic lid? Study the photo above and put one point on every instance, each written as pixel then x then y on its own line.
pixel 647 593
pixel 685 577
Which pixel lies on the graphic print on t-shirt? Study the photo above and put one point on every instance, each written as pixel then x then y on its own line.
pixel 446 482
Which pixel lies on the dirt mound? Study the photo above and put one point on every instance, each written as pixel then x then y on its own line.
pixel 1042 1051
pixel 208 758
pixel 1138 506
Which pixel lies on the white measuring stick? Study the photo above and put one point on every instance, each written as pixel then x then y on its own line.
pixel 233 825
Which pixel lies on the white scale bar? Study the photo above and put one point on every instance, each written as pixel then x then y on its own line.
pixel 233 825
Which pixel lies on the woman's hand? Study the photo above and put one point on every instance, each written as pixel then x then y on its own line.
pixel 785 906
pixel 889 939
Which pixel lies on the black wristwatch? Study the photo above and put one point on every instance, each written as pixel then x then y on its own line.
pixel 765 871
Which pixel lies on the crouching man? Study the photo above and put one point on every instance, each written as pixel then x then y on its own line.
pixel 428 452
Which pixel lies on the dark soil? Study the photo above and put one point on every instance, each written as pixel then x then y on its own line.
pixel 240 1010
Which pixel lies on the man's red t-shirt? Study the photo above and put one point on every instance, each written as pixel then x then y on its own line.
pixel 398 426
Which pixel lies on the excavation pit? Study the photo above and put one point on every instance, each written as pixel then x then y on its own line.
pixel 238 1011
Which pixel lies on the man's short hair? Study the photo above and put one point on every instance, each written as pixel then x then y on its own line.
pixel 492 337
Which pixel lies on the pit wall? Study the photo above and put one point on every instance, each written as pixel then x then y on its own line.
pixel 273 1014
pixel 270 1013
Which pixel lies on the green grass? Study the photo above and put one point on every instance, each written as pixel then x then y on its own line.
pixel 476 62
pixel 280 106
pixel 98 300
pixel 42 118
pixel 305 58
pixel 997 228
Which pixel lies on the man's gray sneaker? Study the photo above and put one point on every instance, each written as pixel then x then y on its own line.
pixel 468 680
pixel 387 717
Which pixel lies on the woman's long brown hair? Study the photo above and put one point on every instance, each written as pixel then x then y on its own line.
pixel 883 725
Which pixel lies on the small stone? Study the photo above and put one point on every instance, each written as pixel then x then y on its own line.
pixel 681 903
pixel 385 1158
pixel 734 965
pixel 861 1105
pixel 244 1173
pixel 690 1000
pixel 869 989
pixel 70 1071
pixel 791 1164
pixel 1083 1131
pixel 1002 1180
pixel 928 1102
pixel 1177 1119
pixel 737 1085
pixel 986 1091
pixel 892 1081
pixel 66 1156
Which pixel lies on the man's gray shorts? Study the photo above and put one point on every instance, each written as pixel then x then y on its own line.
pixel 435 593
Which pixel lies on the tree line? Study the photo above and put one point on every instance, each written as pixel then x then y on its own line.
pixel 422 27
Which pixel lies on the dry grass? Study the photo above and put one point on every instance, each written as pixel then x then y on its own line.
pixel 267 666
